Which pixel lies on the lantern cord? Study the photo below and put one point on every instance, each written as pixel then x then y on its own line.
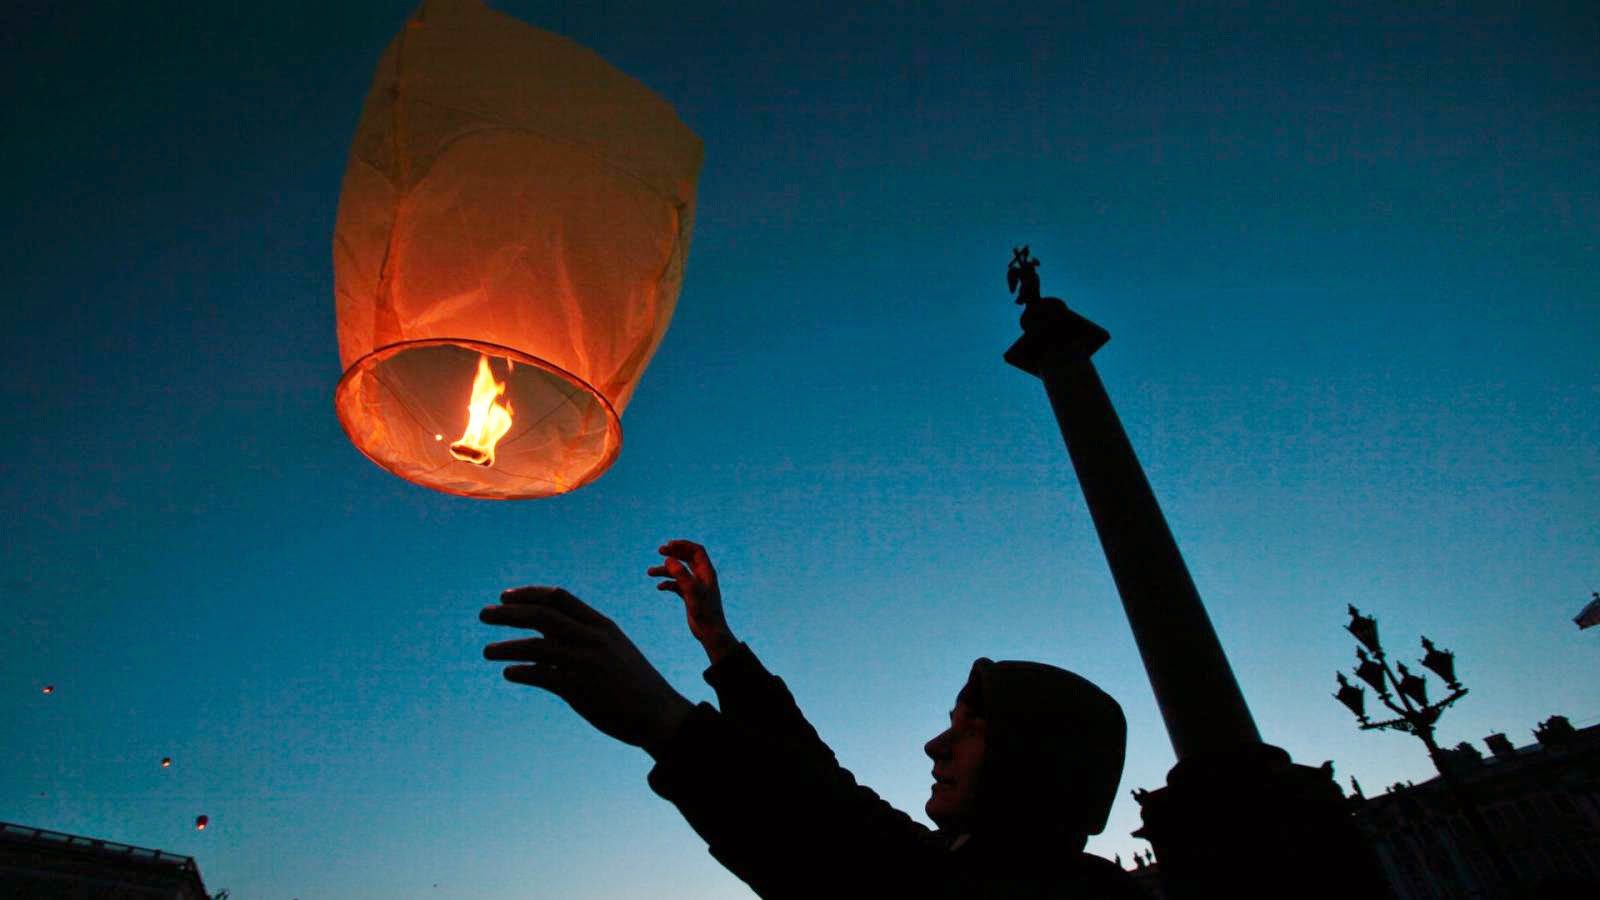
pixel 404 406
pixel 552 411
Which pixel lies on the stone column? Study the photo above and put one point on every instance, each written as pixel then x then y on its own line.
pixel 1237 818
pixel 1194 686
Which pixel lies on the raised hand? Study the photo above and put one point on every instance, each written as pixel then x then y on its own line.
pixel 690 575
pixel 585 659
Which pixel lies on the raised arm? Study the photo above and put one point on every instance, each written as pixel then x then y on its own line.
pixel 689 574
pixel 793 823
pixel 763 790
pixel 746 692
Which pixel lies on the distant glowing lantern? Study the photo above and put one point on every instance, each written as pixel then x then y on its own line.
pixel 49 689
pixel 511 238
pixel 166 762
pixel 200 822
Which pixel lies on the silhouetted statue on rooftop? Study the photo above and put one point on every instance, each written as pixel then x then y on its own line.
pixel 1025 772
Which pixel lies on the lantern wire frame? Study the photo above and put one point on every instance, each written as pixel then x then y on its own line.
pixel 420 379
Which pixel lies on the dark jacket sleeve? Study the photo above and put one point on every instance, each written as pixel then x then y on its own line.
pixel 773 804
pixel 756 700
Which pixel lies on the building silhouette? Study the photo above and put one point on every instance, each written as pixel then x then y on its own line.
pixel 1146 875
pixel 49 865
pixel 1541 803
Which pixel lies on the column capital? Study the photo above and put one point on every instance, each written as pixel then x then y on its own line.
pixel 1049 330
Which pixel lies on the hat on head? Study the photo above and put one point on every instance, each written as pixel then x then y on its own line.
pixel 1055 745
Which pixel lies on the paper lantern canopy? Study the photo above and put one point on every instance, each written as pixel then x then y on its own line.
pixel 512 233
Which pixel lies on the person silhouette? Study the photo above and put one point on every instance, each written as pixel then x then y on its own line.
pixel 1024 773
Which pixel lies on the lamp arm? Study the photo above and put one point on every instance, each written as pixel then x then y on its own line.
pixel 1392 708
pixel 1410 708
pixel 1455 695
pixel 1401 724
pixel 1405 711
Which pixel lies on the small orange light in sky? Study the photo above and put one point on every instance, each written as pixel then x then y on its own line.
pixel 166 762
pixel 201 822
pixel 488 419
pixel 49 689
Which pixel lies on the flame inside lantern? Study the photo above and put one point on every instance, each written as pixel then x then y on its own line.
pixel 201 822
pixel 488 419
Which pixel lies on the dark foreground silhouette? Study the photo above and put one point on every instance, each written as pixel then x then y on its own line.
pixel 1025 772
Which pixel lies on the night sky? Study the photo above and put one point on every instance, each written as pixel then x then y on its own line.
pixel 1347 254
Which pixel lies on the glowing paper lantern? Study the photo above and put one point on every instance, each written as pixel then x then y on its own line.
pixel 511 238
pixel 200 822
pixel 49 689
pixel 166 762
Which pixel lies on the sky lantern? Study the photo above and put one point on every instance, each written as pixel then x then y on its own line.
pixel 166 762
pixel 512 232
pixel 200 822
pixel 48 689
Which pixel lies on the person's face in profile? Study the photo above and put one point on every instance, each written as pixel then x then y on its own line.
pixel 957 755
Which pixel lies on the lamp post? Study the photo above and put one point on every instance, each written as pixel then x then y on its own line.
pixel 1414 715
pixel 1236 818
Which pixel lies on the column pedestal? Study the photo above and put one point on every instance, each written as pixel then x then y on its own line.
pixel 1250 823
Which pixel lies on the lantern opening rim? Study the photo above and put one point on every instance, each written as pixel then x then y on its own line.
pixel 363 364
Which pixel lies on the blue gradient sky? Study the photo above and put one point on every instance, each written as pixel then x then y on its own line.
pixel 1347 254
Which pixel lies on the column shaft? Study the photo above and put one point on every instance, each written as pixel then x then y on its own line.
pixel 1194 685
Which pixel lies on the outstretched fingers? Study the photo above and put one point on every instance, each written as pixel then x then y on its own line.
pixel 587 660
pixel 536 650
pixel 541 676
pixel 694 555
pixel 547 662
pixel 544 619
pixel 558 599
pixel 681 581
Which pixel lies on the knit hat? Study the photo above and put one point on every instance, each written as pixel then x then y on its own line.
pixel 1055 746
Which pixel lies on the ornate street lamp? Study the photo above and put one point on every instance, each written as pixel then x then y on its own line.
pixel 1353 697
pixel 1371 673
pixel 1414 715
pixel 1365 628
pixel 1441 662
